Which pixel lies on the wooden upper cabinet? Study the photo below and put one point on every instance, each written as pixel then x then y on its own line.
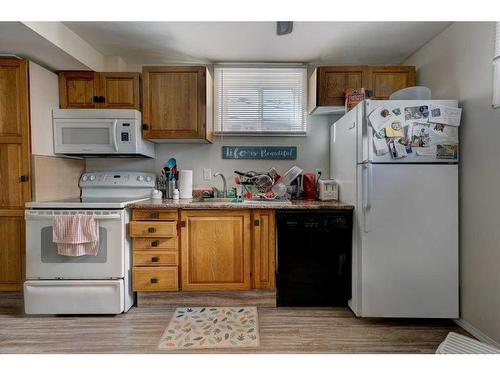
pixel 177 103
pixel 77 89
pixel 384 80
pixel 120 90
pixel 327 84
pixel 216 250
pixel 99 90
pixel 335 80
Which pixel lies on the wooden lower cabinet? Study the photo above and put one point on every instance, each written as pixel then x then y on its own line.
pixel 219 250
pixel 155 247
pixel 15 184
pixel 155 279
pixel 216 250
pixel 264 249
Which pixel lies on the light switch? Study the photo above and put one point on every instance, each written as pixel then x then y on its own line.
pixel 207 174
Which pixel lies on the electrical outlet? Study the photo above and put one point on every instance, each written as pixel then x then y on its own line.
pixel 207 174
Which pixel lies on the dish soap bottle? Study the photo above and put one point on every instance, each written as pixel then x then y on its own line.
pixel 176 194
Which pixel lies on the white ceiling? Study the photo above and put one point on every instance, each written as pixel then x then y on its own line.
pixel 17 39
pixel 207 42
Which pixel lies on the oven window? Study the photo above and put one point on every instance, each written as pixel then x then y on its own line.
pixel 85 135
pixel 49 250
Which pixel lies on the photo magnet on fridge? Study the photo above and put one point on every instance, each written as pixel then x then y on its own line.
pixel 447 152
pixel 416 113
pixel 394 130
pixel 380 117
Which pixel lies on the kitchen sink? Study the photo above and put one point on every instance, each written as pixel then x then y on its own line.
pixel 240 201
pixel 218 200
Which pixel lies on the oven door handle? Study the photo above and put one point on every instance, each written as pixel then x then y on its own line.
pixel 33 216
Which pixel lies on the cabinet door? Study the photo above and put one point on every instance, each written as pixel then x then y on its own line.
pixel 264 249
pixel 334 80
pixel 384 80
pixel 215 250
pixel 14 169
pixel 119 91
pixel 77 89
pixel 174 102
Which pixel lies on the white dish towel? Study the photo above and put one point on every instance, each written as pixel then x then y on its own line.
pixel 75 235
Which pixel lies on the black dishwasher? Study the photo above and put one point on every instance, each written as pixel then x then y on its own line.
pixel 314 257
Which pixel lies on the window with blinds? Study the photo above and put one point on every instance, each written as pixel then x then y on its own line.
pixel 260 100
pixel 496 68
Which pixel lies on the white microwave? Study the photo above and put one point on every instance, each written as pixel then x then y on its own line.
pixel 100 132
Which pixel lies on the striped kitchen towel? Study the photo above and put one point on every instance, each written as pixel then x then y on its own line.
pixel 75 235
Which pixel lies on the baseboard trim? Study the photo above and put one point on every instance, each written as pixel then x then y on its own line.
pixel 478 334
pixel 256 297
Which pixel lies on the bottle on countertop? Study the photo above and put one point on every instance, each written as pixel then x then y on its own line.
pixel 176 194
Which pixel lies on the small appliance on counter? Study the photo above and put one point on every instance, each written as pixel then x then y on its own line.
pixel 328 190
pixel 309 184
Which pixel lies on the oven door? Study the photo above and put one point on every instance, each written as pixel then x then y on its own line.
pixel 86 136
pixel 43 261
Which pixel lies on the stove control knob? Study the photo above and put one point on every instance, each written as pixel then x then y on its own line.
pixel 148 179
pixel 92 177
pixel 85 177
pixel 140 178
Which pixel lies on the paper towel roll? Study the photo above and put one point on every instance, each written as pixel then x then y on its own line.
pixel 185 184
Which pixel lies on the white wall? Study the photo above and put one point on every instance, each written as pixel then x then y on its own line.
pixel 457 64
pixel 313 152
pixel 44 96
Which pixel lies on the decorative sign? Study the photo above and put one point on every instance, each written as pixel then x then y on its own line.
pixel 259 152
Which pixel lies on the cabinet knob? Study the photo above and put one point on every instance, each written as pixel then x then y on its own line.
pixel 153 280
pixel 154 259
pixel 256 223
pixel 102 99
pixel 151 230
pixel 145 127
pixel 23 178
pixel 155 243
pixel 153 215
pixel 95 99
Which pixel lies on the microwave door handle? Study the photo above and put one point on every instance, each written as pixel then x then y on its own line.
pixel 115 141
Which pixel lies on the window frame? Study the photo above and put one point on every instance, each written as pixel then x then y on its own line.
pixel 219 128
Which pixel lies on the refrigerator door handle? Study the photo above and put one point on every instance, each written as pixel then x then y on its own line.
pixel 367 192
pixel 369 169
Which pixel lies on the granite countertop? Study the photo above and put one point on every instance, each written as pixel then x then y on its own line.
pixel 194 204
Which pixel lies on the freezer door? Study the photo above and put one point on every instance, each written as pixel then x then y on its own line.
pixel 438 135
pixel 409 241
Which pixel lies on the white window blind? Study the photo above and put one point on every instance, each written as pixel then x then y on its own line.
pixel 496 68
pixel 260 100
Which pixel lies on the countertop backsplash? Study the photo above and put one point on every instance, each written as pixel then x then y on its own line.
pixel 312 152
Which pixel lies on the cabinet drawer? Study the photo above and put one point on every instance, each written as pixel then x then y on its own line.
pixel 153 258
pixel 154 215
pixel 154 279
pixel 153 229
pixel 153 244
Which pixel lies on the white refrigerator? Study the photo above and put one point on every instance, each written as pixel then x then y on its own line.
pixel 405 237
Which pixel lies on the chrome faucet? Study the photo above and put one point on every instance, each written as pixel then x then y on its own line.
pixel 224 182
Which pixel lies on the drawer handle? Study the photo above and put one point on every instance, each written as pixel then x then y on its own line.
pixel 154 259
pixel 154 280
pixel 153 215
pixel 155 243
pixel 151 230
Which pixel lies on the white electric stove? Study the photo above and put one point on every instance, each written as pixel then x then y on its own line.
pixel 98 284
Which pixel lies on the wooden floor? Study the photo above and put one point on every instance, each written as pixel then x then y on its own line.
pixel 282 330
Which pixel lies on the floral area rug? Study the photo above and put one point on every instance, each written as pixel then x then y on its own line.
pixel 211 327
